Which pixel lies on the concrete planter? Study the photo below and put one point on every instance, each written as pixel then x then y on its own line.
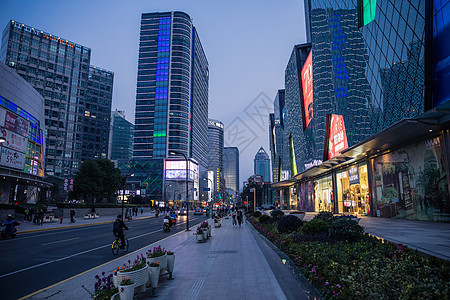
pixel 199 237
pixel 126 292
pixel 162 262
pixel 154 276
pixel 170 263
pixel 139 277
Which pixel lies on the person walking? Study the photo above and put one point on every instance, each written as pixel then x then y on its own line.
pixel 27 212
pixel 233 215
pixel 239 217
pixel 142 210
pixel 41 217
pixel 72 215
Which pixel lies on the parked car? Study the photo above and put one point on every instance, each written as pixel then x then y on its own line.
pixel 198 211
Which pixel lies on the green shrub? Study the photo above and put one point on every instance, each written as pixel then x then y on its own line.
pixel 276 214
pixel 315 226
pixel 325 216
pixel 264 219
pixel 256 214
pixel 288 224
pixel 345 228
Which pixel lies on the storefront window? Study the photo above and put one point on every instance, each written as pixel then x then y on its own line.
pixel 353 190
pixel 412 182
pixel 323 189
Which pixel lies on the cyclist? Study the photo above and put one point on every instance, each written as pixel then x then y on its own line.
pixel 118 226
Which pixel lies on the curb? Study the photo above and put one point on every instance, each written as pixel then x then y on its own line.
pixel 302 281
pixel 75 226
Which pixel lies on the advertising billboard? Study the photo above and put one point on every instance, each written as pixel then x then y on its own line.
pixel 307 85
pixel 13 140
pixel 12 159
pixel 335 136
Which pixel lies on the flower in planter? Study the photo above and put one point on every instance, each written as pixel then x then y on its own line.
pixel 157 252
pixel 199 230
pixel 104 287
pixel 139 263
pixel 153 265
pixel 126 281
pixel 170 253
pixel 204 224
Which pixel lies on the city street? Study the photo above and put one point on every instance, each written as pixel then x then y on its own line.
pixel 44 258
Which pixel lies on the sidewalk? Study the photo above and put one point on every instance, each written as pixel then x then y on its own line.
pixel 232 264
pixel 26 227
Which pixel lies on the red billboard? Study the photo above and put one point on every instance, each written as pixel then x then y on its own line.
pixel 335 136
pixel 307 85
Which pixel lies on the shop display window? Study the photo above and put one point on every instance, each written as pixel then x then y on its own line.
pixel 323 190
pixel 353 190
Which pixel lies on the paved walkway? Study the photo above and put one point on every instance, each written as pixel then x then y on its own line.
pixel 235 263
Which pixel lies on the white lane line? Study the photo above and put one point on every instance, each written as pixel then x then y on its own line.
pixel 70 256
pixel 61 241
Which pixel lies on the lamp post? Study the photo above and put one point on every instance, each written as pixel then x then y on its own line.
pixel 187 189
pixel 164 196
pixel 2 139
pixel 123 190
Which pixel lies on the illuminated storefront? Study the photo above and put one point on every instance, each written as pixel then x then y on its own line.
pixel 323 194
pixel 352 187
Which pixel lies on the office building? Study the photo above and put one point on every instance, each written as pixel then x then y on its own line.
pixel 231 168
pixel 261 164
pixel 172 89
pixel 279 156
pixel 77 96
pixel 121 137
pixel 215 152
pixel 22 142
pixel 171 100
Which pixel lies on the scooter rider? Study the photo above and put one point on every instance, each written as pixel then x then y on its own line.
pixel 9 226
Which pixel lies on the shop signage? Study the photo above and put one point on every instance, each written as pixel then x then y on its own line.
pixel 12 159
pixel 353 175
pixel 335 136
pixel 307 85
pixel 13 140
pixel 16 124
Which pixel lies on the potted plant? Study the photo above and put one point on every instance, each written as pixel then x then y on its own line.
pixel 137 271
pixel 170 263
pixel 199 235
pixel 126 289
pixel 154 269
pixel 104 287
pixel 217 222
pixel 204 226
pixel 158 255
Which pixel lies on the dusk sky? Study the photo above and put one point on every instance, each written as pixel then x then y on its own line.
pixel 247 43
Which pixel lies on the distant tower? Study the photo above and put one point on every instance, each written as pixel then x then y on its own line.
pixel 121 137
pixel 262 164
pixel 231 168
pixel 215 151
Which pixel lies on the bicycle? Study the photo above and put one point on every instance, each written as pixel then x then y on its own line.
pixel 116 245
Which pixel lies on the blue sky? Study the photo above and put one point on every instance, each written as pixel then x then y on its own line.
pixel 247 43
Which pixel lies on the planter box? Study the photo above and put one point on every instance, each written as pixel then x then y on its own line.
pixel 153 273
pixel 128 292
pixel 162 262
pixel 199 237
pixel 139 277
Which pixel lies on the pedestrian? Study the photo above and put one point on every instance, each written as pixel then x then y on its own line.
pixel 27 211
pixel 233 215
pixel 41 216
pixel 142 210
pixel 239 217
pixel 72 215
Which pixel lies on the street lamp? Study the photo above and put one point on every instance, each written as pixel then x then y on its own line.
pixel 123 190
pixel 2 139
pixel 187 190
pixel 164 196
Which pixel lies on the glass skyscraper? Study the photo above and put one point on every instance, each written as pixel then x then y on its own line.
pixel 172 89
pixel 231 168
pixel 121 137
pixel 215 151
pixel 77 95
pixel 261 164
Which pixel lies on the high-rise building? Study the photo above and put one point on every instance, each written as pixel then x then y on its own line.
pixel 171 116
pixel 77 95
pixel 231 168
pixel 279 156
pixel 261 164
pixel 172 89
pixel 121 137
pixel 215 151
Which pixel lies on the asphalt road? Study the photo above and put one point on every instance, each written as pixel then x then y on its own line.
pixel 33 261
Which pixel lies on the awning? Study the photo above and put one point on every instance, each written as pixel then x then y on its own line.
pixel 398 135
pixel 284 183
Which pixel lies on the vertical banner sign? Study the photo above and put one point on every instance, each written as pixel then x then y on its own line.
pixel 292 156
pixel 71 184
pixel 335 136
pixel 2 116
pixel 66 184
pixel 353 175
pixel 307 84
pixel 10 121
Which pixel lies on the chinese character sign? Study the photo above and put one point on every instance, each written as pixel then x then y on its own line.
pixel 307 84
pixel 335 138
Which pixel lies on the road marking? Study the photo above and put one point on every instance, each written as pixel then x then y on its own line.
pixel 87 271
pixel 60 241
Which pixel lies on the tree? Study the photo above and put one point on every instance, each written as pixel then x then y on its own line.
pixel 97 180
